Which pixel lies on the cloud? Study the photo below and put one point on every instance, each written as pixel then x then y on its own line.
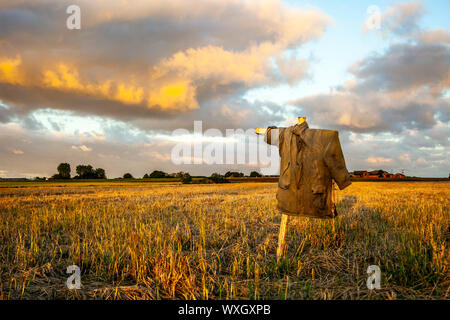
pixel 17 151
pixel 379 161
pixel 116 156
pixel 141 155
pixel 82 148
pixel 151 59
pixel 401 19
pixel 406 66
pixel 401 88
pixel 437 36
pixel 111 93
pixel 396 151
pixel 9 70
pixel 395 111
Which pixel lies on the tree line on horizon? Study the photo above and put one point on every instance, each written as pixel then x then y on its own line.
pixel 88 172
pixel 83 172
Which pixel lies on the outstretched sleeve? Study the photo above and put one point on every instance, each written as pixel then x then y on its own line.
pixel 334 159
pixel 272 135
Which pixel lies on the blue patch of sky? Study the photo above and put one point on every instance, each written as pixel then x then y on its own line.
pixel 342 44
pixel 437 13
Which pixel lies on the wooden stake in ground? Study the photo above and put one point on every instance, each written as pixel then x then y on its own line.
pixel 284 218
pixel 282 236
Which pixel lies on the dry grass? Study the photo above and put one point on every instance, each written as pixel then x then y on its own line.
pixel 144 241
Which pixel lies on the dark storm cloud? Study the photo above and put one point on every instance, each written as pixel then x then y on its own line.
pixel 149 60
pixel 55 99
pixel 400 88
pixel 406 66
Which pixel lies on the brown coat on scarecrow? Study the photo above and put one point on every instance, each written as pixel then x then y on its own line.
pixel 310 159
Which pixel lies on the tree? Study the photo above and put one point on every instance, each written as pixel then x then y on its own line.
pixel 100 173
pixel 88 172
pixel 180 174
pixel 128 176
pixel 85 171
pixel 218 178
pixel 255 174
pixel 234 174
pixel 186 178
pixel 158 174
pixel 145 176
pixel 63 171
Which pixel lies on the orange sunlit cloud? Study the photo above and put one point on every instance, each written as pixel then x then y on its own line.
pixel 179 73
pixel 177 96
pixel 129 94
pixel 10 70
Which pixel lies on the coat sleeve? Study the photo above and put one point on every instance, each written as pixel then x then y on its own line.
pixel 273 134
pixel 334 159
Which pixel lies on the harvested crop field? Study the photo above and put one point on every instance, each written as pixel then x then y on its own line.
pixel 167 240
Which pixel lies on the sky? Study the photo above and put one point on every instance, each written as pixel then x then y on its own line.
pixel 112 93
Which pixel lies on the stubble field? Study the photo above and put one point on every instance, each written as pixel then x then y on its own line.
pixel 171 241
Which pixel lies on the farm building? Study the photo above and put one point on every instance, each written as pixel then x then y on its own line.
pixel 376 174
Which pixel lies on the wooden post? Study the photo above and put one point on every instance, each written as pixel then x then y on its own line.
pixel 282 237
pixel 284 218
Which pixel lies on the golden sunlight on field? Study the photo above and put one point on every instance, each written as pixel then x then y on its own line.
pixel 156 241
